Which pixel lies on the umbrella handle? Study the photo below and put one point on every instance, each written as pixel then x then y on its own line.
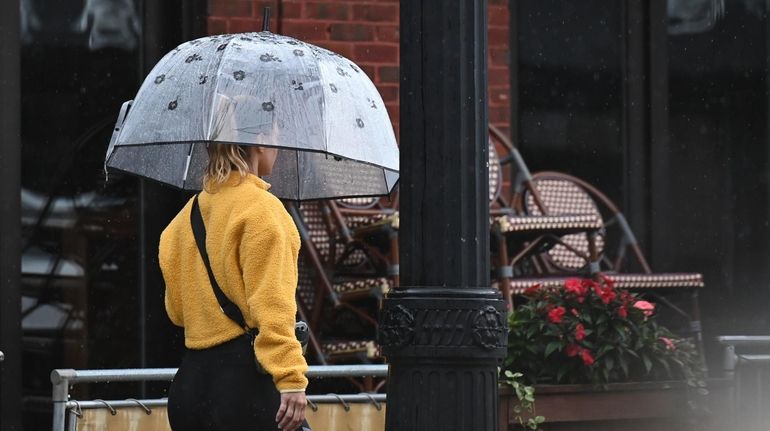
pixel 266 19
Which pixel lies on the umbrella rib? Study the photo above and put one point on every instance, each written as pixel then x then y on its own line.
pixel 296 157
pixel 217 76
pixel 187 164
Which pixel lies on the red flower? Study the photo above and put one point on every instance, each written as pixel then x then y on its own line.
pixel 587 358
pixel 575 287
pixel 626 297
pixel 623 312
pixel 647 308
pixel 669 343
pixel 556 314
pixel 607 295
pixel 572 350
pixel 589 284
pixel 532 290
pixel 607 281
pixel 580 332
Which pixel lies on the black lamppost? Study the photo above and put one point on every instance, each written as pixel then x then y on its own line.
pixel 443 330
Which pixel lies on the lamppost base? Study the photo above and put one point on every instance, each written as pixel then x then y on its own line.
pixel 444 347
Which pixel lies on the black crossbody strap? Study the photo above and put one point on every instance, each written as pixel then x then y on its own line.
pixel 199 230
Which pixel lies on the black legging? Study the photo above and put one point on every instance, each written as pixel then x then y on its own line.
pixel 220 389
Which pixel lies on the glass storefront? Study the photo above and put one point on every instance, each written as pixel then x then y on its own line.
pixel 702 140
pixel 86 298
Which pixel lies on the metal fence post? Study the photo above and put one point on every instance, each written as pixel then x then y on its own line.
pixel 60 395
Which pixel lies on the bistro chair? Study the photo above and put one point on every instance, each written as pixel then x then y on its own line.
pixel 517 237
pixel 338 289
pixel 620 257
pixel 369 226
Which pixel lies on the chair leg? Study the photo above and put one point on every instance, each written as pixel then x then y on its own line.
pixel 504 276
pixel 695 326
pixel 394 269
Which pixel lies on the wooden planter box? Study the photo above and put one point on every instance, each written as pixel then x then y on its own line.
pixel 658 406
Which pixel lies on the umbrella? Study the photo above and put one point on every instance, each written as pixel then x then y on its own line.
pixel 318 108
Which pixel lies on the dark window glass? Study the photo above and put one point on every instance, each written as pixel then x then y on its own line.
pixel 570 88
pixel 717 170
pixel 79 262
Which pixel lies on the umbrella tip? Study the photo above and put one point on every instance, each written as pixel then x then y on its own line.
pixel 266 19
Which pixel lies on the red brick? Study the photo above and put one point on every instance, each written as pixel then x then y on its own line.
pixel 393 111
pixel 375 12
pixel 498 16
pixel 341 48
pixel 304 30
pixel 327 11
pixel 499 56
pixel 498 76
pixel 376 53
pixel 224 8
pixel 498 36
pixel 216 26
pixel 260 5
pixel 389 93
pixel 369 70
pixel 291 10
pixel 244 25
pixel 499 114
pixel 388 33
pixel 356 32
pixel 499 96
pixel 388 74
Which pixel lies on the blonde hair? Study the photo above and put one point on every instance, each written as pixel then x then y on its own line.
pixel 223 160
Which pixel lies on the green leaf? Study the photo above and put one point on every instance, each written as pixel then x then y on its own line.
pixel 623 365
pixel 560 374
pixel 609 363
pixel 552 347
pixel 647 362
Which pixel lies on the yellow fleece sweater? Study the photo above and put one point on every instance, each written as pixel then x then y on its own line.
pixel 252 244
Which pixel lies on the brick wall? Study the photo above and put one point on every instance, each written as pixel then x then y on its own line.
pixel 365 31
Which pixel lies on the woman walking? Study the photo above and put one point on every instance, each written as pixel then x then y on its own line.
pixel 252 246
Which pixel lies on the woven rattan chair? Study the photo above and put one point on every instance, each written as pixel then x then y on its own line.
pixel 622 260
pixel 338 290
pixel 369 226
pixel 518 236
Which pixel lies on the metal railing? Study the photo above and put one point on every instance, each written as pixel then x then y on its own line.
pixel 746 361
pixel 63 379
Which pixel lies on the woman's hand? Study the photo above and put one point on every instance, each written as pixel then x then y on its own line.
pixel 292 411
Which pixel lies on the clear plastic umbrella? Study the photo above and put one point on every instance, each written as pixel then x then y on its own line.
pixel 319 109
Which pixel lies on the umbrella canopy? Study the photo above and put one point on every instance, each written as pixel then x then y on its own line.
pixel 320 110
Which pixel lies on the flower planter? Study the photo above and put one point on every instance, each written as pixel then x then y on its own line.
pixel 659 406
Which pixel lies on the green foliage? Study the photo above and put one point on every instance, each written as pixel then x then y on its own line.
pixel 525 412
pixel 590 332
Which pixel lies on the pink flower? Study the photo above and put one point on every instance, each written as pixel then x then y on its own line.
pixel 587 358
pixel 574 312
pixel 572 350
pixel 556 314
pixel 623 312
pixel 647 308
pixel 580 332
pixel 668 342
